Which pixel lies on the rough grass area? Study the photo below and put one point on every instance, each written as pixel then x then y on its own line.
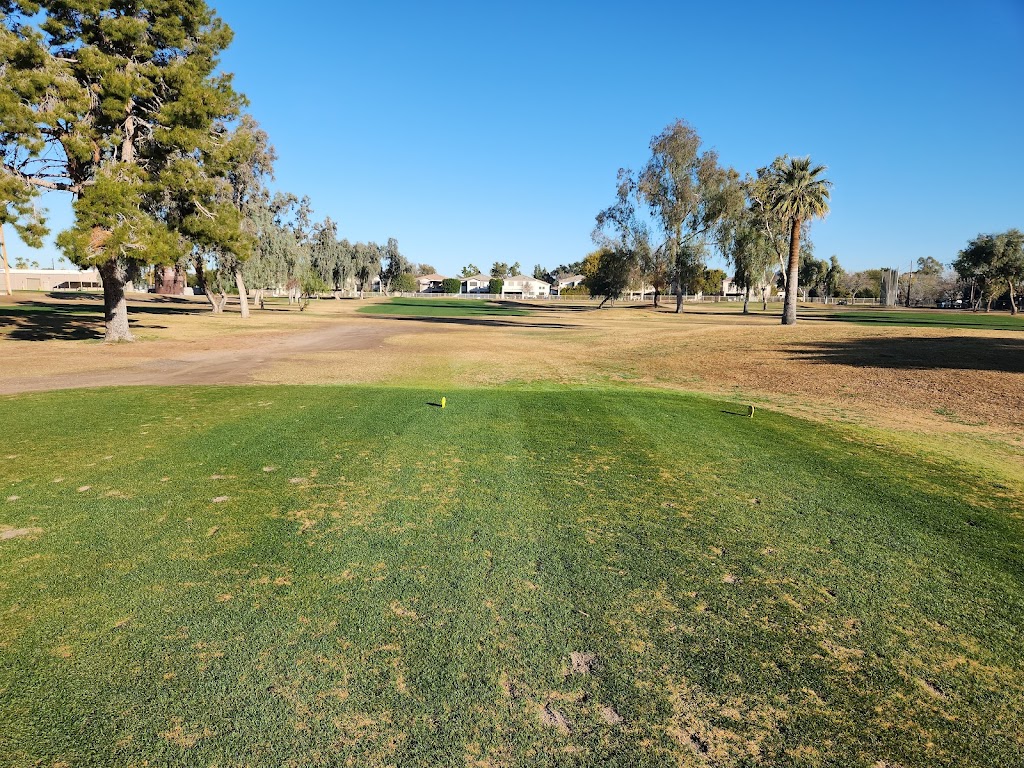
pixel 352 576
pixel 442 308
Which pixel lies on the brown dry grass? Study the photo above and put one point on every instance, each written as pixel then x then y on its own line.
pixel 931 382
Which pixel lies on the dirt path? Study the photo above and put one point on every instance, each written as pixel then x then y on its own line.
pixel 235 364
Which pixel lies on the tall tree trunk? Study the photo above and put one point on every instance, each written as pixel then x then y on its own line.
pixel 243 298
pixel 789 308
pixel 7 267
pixel 746 301
pixel 656 294
pixel 1013 298
pixel 910 283
pixel 115 306
pixel 679 296
pixel 202 285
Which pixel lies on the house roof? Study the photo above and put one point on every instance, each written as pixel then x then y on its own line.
pixel 569 278
pixel 525 278
pixel 432 278
pixel 478 276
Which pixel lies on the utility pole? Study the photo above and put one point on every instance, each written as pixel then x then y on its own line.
pixel 7 267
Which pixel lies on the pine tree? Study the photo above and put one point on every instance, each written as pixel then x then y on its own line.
pixel 119 105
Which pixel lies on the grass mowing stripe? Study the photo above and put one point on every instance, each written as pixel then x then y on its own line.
pixel 443 308
pixel 414 595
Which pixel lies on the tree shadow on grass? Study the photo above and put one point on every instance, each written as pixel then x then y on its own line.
pixel 41 321
pixel 492 322
pixel 918 319
pixel 907 352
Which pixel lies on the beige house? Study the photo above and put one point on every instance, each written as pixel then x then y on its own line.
pixel 430 283
pixel 50 279
pixel 527 287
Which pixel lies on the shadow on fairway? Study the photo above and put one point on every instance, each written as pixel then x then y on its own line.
pixel 542 307
pixel 43 321
pixel 918 318
pixel 478 321
pixel 951 352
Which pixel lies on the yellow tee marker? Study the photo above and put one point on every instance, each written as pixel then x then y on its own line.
pixel 444 402
pixel 750 411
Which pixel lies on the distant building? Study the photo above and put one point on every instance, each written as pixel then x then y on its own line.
pixel 478 283
pixel 430 283
pixel 52 279
pixel 729 288
pixel 569 281
pixel 526 287
pixel 169 281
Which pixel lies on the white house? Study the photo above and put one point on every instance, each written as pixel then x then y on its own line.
pixel 478 283
pixel 526 287
pixel 569 281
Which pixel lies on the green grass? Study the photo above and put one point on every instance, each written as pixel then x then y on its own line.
pixel 406 584
pixel 946 318
pixel 442 308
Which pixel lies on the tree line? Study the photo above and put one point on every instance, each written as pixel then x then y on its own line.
pixel 120 105
pixel 758 223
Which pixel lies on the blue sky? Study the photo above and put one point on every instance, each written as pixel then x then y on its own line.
pixel 481 132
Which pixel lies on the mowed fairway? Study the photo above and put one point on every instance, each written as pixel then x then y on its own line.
pixel 529 577
pixel 443 308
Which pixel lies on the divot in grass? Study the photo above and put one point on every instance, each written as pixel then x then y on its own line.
pixel 553 718
pixel 610 716
pixel 582 662
pixel 402 612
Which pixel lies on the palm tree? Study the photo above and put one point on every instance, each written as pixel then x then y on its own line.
pixel 798 195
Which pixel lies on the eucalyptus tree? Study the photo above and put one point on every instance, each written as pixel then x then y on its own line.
pixel 812 274
pixel 243 162
pixel 994 264
pixel 977 264
pixel 749 250
pixel 795 193
pixel 117 104
pixel 277 249
pixel 366 259
pixel 690 195
pixel 1013 264
pixel 393 265
pixel 330 258
pixel 623 242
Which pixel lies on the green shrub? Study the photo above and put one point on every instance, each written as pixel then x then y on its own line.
pixel 495 285
pixel 451 285
pixel 579 290
pixel 404 283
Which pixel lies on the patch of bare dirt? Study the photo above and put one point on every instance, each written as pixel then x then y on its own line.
pixel 7 532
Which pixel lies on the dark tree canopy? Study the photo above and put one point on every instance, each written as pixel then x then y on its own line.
pixel 119 105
